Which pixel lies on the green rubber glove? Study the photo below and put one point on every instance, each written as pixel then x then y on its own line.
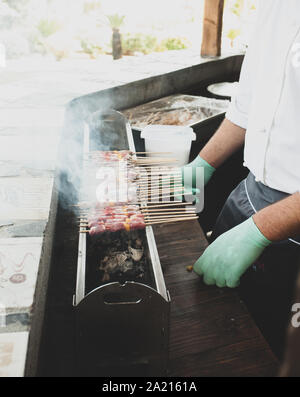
pixel 198 162
pixel 231 254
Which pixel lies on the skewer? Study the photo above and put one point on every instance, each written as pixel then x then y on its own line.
pixel 152 152
pixel 149 205
pixel 85 218
pixel 85 221
pixel 164 216
pixel 162 167
pixel 144 197
pixel 137 159
pixel 169 221
pixel 160 171
pixel 101 151
pixel 171 211
pixel 155 163
pixel 99 154
pixel 144 183
pixel 170 204
pixel 173 188
pixel 157 218
pixel 155 222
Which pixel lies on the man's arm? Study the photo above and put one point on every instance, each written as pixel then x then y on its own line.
pixel 281 220
pixel 227 140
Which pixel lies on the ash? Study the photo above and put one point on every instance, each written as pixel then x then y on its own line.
pixel 119 263
pixel 117 257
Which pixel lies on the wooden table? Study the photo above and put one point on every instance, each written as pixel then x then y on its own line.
pixel 212 333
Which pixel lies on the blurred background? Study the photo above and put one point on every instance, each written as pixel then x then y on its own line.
pixel 91 29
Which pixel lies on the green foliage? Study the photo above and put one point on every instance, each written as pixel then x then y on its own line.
pixel 91 6
pixel 115 21
pixel 138 42
pixel 89 48
pixel 237 7
pixel 47 27
pixel 146 43
pixel 174 43
pixel 233 34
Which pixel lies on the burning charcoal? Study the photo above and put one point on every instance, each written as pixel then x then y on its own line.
pixel 136 254
pixel 117 257
pixel 126 266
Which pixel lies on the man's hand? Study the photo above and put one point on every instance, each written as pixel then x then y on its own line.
pixel 226 141
pixel 189 173
pixel 231 254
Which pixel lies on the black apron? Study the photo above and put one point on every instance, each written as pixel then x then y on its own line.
pixel 267 287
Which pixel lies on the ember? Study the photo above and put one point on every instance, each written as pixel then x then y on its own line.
pixel 118 257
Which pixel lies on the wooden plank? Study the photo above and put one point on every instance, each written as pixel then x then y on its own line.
pixel 212 333
pixel 212 28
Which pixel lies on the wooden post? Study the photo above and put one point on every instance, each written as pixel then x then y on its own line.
pixel 212 28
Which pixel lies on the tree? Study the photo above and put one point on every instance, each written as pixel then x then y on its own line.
pixel 115 22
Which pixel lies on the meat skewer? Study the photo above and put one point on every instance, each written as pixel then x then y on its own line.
pixel 140 173
pixel 126 218
pixel 140 225
pixel 128 156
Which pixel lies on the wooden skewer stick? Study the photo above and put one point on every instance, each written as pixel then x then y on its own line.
pixel 150 216
pixel 164 176
pixel 156 177
pixel 171 211
pixel 152 159
pixel 148 196
pixel 133 160
pixel 156 164
pixel 146 171
pixel 163 216
pixel 160 184
pixel 152 152
pixel 170 204
pixel 157 218
pixel 165 210
pixel 154 188
pixel 168 221
pixel 165 166
pixel 115 152
pixel 149 205
pixel 156 158
pixel 164 196
pixel 159 213
pixel 159 172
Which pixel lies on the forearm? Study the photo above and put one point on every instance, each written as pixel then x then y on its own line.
pixel 281 220
pixel 227 140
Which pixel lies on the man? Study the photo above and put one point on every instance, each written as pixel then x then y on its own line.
pixel 260 222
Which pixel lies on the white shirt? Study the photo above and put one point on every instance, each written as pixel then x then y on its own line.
pixel 267 102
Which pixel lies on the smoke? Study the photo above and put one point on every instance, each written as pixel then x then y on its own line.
pixel 100 130
pixel 83 181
